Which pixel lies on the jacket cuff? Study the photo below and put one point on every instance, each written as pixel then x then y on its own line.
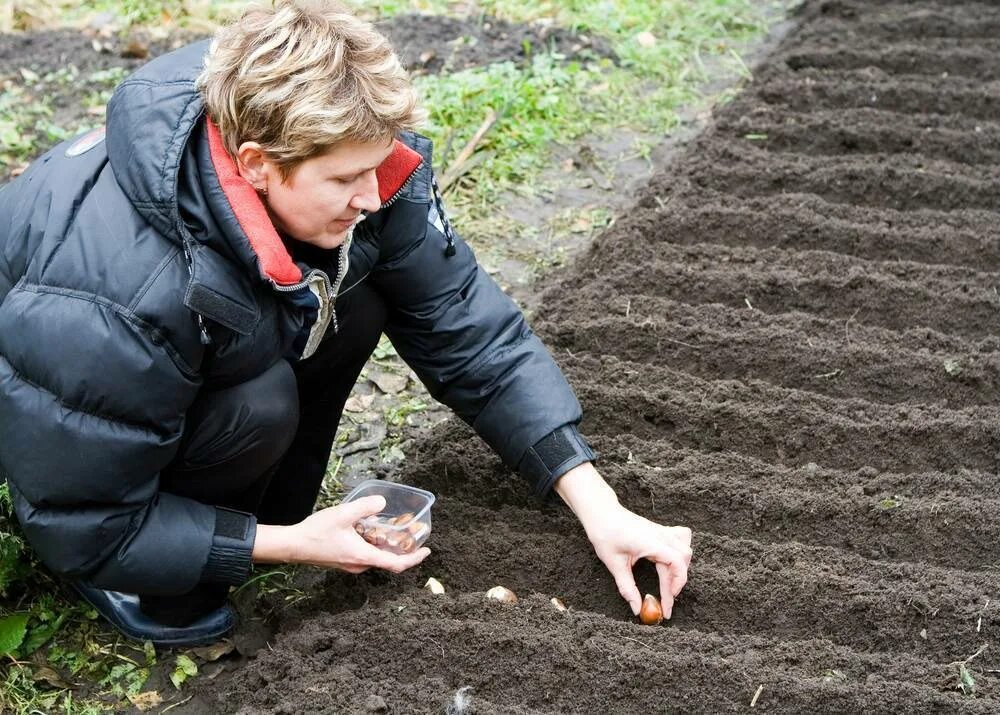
pixel 230 559
pixel 553 456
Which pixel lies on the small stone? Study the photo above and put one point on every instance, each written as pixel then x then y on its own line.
pixel 646 39
pixel 376 704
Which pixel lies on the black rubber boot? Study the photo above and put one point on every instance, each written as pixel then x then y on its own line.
pixel 123 611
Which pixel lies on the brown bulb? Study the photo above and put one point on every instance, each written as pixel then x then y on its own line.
pixel 651 613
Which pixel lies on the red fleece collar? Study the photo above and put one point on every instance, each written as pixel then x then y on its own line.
pixel 275 262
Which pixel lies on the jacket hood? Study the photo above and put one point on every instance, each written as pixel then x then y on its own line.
pixel 150 117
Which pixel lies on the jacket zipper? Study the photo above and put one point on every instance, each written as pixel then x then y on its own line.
pixel 343 262
pixel 392 199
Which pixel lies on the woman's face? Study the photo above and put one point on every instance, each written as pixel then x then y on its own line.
pixel 325 195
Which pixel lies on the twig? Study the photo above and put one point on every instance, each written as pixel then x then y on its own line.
pixel 847 325
pixel 681 342
pixel 635 640
pixel 753 701
pixel 971 657
pixel 171 707
pixel 455 170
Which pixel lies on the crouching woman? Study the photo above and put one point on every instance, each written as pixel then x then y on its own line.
pixel 187 299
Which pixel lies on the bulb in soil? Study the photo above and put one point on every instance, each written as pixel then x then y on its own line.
pixel 651 613
pixel 434 586
pixel 500 593
pixel 558 605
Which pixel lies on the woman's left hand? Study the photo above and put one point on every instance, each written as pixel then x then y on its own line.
pixel 621 538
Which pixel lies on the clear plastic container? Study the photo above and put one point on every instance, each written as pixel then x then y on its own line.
pixel 404 524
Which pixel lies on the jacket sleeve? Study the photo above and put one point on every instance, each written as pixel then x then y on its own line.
pixel 92 403
pixel 472 348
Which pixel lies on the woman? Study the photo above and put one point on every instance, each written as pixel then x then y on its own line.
pixel 188 300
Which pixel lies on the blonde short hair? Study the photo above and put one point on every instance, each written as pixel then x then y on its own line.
pixel 299 77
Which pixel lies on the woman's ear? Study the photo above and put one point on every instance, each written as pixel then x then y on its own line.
pixel 252 165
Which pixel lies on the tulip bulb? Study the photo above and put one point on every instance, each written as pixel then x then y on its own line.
pixel 501 593
pixel 651 613
pixel 434 586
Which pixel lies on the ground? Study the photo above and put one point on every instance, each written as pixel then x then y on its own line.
pixel 784 343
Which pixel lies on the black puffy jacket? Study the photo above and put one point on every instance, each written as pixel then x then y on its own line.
pixel 138 270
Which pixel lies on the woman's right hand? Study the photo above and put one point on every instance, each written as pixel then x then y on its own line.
pixel 327 538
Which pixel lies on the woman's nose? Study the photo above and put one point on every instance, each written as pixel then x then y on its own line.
pixel 367 198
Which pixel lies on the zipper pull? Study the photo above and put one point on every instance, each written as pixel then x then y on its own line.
pixel 206 339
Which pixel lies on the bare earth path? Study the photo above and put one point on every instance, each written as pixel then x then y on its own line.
pixel 789 345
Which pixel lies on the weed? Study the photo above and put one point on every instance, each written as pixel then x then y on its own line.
pixel 395 415
pixel 889 503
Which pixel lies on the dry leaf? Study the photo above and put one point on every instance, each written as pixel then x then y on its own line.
pixel 135 50
pixel 215 651
pixel 51 676
pixel 358 403
pixel 145 701
pixel 388 382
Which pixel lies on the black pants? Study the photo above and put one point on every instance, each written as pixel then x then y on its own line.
pixel 263 446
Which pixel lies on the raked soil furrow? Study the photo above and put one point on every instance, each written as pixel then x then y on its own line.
pixel 812 90
pixel 715 342
pixel 557 319
pixel 976 59
pixel 653 670
pixel 452 465
pixel 867 131
pixel 904 182
pixel 779 425
pixel 910 21
pixel 867 604
pixel 893 295
pixel 805 222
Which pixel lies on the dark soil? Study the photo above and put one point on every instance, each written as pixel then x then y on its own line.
pixel 789 345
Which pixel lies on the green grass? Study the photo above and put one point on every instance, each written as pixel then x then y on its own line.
pixel 57 655
pixel 550 101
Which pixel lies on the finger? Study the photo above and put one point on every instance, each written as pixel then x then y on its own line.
pixel 621 571
pixel 685 535
pixel 397 563
pixel 360 508
pixel 666 589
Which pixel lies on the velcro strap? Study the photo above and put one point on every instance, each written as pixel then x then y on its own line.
pixel 554 455
pixel 231 524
